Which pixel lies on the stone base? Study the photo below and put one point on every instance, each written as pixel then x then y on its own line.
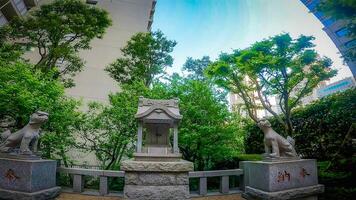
pixel 27 176
pixel 292 179
pixel 47 194
pixel 144 192
pixel 303 193
pixel 153 180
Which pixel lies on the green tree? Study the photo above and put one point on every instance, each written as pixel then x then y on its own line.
pixel 58 31
pixel 196 67
pixel 145 57
pixel 23 91
pixel 110 130
pixel 279 66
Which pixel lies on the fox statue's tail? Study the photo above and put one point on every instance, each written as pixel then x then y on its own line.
pixel 291 140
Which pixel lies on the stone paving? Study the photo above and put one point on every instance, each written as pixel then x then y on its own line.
pixel 68 196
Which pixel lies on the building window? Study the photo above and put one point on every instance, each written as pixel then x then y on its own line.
pixel 312 5
pixel 92 2
pixel 20 5
pixel 3 20
pixel 328 22
pixel 319 15
pixel 351 43
pixel 342 32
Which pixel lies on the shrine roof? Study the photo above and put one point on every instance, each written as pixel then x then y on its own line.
pixel 148 106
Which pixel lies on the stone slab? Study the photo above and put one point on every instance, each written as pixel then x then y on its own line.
pixel 151 166
pixel 46 194
pixel 27 175
pixel 279 176
pixel 156 179
pixel 309 193
pixel 136 192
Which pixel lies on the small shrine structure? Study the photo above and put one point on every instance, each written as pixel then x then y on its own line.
pixel 157 122
pixel 157 170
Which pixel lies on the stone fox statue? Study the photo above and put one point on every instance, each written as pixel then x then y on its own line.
pixel 276 146
pixel 26 139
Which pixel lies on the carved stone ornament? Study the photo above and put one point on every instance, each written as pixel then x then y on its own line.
pixel 276 146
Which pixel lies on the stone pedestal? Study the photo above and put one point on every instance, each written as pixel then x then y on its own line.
pixel 28 179
pixel 294 179
pixel 152 180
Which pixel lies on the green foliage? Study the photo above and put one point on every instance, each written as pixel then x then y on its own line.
pixel 253 139
pixel 110 130
pixel 196 67
pixel 145 56
pixel 249 157
pixel 322 129
pixel 207 132
pixel 278 66
pixel 233 162
pixel 339 182
pixel 59 30
pixel 8 51
pixel 23 91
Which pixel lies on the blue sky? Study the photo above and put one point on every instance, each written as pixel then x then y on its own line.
pixel 209 27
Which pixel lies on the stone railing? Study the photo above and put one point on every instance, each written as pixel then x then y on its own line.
pixel 79 174
pixel 224 181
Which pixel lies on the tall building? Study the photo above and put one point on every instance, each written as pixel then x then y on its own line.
pixel 14 8
pixel 128 17
pixel 337 86
pixel 336 30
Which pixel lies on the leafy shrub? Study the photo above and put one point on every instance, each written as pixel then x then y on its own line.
pixel 339 183
pixel 233 163
pixel 249 157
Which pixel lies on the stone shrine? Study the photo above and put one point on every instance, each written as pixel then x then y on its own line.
pixel 23 174
pixel 281 174
pixel 157 170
